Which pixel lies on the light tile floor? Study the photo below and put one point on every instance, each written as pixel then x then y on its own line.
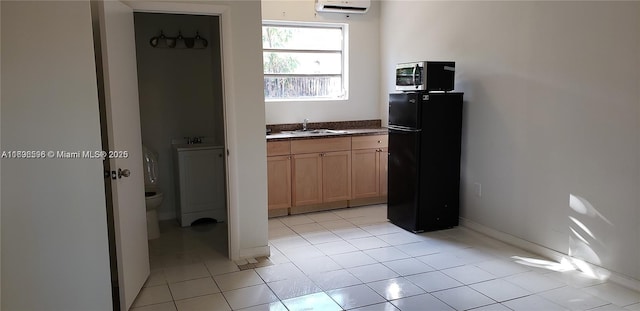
pixel 354 259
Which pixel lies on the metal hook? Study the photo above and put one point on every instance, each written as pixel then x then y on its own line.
pixel 201 39
pixel 156 40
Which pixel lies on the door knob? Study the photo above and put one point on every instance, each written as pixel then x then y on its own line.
pixel 123 172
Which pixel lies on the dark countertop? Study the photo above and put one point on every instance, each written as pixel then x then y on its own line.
pixel 347 132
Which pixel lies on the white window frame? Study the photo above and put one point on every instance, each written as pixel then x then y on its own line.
pixel 345 58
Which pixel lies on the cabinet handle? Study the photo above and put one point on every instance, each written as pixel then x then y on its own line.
pixel 379 141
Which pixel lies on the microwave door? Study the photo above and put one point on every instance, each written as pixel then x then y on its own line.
pixel 404 77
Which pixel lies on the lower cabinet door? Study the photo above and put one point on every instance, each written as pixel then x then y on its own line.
pixel 279 181
pixel 307 179
pixel 383 170
pixel 336 176
pixel 365 177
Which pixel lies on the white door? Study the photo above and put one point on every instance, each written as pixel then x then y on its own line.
pixel 123 130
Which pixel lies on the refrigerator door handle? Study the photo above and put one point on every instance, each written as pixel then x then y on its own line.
pixel 403 128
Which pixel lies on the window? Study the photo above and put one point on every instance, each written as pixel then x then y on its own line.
pixel 304 61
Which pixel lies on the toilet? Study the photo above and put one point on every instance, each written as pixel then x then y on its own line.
pixel 152 194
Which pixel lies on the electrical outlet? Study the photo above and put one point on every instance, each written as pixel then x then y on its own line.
pixel 477 189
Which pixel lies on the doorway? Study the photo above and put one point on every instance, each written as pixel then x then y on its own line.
pixel 124 12
pixel 179 66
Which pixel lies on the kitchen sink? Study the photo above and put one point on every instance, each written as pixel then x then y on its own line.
pixel 316 132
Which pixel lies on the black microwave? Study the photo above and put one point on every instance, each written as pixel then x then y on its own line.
pixel 425 76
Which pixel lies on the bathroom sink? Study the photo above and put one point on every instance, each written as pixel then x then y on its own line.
pixel 201 146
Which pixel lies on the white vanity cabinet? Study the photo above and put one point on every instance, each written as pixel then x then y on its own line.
pixel 200 184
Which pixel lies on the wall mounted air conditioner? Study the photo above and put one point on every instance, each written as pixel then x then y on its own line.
pixel 343 6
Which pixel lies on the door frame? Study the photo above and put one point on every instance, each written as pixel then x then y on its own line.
pixel 224 14
pixel 113 254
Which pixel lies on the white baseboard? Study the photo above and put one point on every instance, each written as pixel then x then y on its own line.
pixel 254 252
pixel 538 249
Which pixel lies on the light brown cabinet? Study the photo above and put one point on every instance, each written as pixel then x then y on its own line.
pixel 321 173
pixel 336 176
pixel 307 179
pixel 365 173
pixel 369 168
pixel 384 169
pixel 279 181
pixel 278 178
pixel 321 178
pixel 307 175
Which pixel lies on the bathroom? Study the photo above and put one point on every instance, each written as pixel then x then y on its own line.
pixel 181 102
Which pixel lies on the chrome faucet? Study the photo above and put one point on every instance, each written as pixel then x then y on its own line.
pixel 304 124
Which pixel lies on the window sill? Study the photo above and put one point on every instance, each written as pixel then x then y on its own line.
pixel 336 99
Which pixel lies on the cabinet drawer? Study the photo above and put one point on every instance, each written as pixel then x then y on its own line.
pixel 320 145
pixel 275 148
pixel 369 142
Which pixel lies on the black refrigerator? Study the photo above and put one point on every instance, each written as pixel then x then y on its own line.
pixel 424 160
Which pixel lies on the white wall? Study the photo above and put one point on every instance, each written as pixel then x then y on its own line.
pixel 246 125
pixel 180 91
pixel 552 109
pixel 54 231
pixel 364 66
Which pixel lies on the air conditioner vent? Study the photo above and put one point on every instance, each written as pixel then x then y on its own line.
pixel 343 6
